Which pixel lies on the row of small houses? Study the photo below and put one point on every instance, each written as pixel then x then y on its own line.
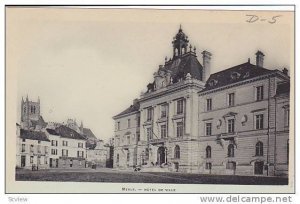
pixel 60 147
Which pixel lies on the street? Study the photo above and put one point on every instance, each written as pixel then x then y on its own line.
pixel 109 175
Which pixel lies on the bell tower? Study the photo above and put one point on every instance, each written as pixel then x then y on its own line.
pixel 30 111
pixel 180 43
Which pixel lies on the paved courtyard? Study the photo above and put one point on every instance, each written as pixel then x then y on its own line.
pixel 109 175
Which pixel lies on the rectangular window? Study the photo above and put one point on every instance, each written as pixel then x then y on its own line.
pixel 128 123
pixel 208 104
pixel 39 148
pixel 180 106
pixel 31 159
pixel 138 136
pixel 128 140
pixel 80 154
pixel 53 143
pixel 138 121
pixel 54 151
pixel 208 129
pixel 128 156
pixel 64 152
pixel 163 112
pixel 149 134
pixel 230 125
pixel 286 117
pixel 179 129
pixel 31 148
pixel 208 166
pixel 259 93
pixel 149 114
pixel 231 99
pixel 163 131
pixel 80 145
pixel 65 143
pixel 23 140
pixel 46 149
pixel 23 148
pixel 259 121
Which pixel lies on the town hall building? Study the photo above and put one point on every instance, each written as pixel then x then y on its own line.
pixel 235 121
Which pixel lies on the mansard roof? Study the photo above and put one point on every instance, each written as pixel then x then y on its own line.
pixel 234 74
pixel 182 65
pixel 67 132
pixel 33 135
pixel 283 88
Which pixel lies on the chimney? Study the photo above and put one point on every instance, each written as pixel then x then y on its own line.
pixel 285 71
pixel 259 59
pixel 206 65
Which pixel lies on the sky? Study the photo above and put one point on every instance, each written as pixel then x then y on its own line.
pixel 89 64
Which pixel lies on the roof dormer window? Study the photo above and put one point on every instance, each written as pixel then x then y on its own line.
pixel 246 75
pixel 235 75
pixel 213 82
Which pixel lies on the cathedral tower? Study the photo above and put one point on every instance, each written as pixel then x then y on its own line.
pixel 30 111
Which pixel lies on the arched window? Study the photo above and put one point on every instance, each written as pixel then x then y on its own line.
pixel 259 149
pixel 177 152
pixel 208 152
pixel 34 109
pixel 230 152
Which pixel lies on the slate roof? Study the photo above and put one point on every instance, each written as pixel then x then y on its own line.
pixel 132 108
pixel 242 72
pixel 188 64
pixel 66 132
pixel 52 132
pixel 33 135
pixel 88 133
pixel 283 88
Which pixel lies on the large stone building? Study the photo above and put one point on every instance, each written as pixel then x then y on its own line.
pixel 190 121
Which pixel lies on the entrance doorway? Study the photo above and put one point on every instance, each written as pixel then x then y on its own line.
pixel 161 155
pixel 23 161
pixel 259 167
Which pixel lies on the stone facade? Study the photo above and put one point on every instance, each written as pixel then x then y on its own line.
pixel 229 122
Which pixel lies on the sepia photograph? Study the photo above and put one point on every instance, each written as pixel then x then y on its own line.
pixel 149 100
